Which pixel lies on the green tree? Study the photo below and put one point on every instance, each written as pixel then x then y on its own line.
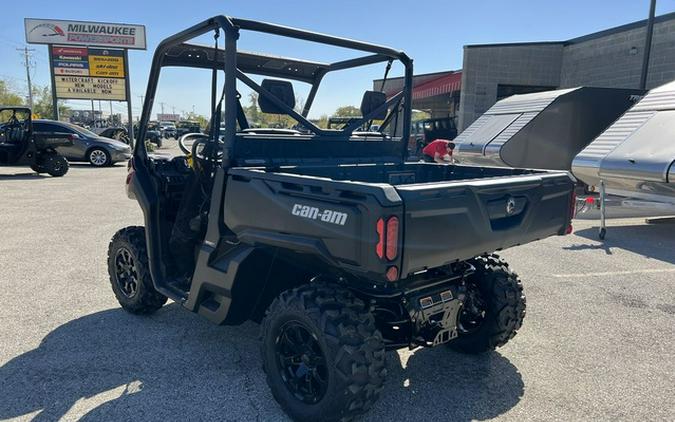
pixel 42 103
pixel 203 121
pixel 347 111
pixel 7 97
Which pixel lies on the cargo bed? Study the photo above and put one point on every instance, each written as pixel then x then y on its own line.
pixel 446 213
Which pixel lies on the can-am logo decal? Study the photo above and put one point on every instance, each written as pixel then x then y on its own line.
pixel 314 213
pixel 49 30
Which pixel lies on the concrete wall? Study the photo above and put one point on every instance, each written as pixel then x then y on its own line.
pixel 611 58
pixel 615 60
pixel 485 67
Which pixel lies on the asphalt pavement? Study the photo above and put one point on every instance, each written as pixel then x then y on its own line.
pixel 598 342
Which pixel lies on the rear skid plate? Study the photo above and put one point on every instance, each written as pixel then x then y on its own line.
pixel 435 316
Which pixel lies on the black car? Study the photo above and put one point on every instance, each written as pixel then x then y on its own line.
pixel 86 146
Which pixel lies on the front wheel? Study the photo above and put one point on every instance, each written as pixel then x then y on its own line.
pixel 494 307
pixel 99 157
pixel 322 354
pixel 130 273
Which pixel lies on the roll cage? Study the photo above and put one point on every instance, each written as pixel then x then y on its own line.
pixel 177 51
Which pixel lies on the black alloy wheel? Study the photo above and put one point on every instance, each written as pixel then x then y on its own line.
pixel 126 274
pixel 301 362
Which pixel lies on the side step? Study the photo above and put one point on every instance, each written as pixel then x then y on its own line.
pixel 211 289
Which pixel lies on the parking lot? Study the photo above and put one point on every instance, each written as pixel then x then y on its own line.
pixel 598 341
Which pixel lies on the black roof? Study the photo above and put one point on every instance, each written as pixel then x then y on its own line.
pixel 201 56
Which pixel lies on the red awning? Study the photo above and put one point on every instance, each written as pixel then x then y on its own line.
pixel 442 85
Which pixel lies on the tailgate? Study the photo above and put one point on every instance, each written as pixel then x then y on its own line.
pixel 455 221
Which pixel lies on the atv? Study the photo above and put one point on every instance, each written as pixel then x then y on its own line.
pixel 328 238
pixel 20 146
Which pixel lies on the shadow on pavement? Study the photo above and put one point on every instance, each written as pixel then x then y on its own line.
pixel 440 384
pixel 23 176
pixel 173 365
pixel 115 366
pixel 656 241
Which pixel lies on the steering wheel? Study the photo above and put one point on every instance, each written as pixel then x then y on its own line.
pixel 195 143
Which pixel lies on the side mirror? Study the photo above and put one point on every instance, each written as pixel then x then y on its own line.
pixel 372 100
pixel 282 90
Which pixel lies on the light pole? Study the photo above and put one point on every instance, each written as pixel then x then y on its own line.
pixel 648 45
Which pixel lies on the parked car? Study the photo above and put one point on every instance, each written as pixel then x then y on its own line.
pixel 87 146
pixel 152 134
pixel 167 129
pixel 186 126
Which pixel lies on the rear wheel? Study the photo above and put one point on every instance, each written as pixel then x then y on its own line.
pixel 322 354
pixel 130 274
pixel 98 157
pixel 55 165
pixel 494 307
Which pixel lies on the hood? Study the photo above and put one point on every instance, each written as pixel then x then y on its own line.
pixel 112 142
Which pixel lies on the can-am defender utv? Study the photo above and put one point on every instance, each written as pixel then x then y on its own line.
pixel 329 237
pixel 19 146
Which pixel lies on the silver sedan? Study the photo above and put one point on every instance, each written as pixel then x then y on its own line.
pixel 87 146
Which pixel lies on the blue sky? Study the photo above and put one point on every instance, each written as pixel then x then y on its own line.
pixel 431 32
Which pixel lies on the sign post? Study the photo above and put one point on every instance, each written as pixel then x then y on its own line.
pixel 55 99
pixel 129 111
pixel 88 60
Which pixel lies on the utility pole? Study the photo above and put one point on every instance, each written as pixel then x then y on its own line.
pixel 162 104
pixel 648 45
pixel 26 61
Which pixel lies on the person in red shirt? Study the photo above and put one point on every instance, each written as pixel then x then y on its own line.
pixel 440 151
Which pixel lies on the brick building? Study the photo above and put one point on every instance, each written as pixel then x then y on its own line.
pixel 611 58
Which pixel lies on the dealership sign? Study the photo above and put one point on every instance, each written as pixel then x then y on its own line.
pixel 85 88
pixel 64 32
pixel 88 73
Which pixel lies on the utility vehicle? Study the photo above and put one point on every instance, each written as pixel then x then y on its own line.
pixel 340 247
pixel 20 146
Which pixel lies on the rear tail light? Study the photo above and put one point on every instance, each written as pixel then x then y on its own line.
pixel 391 241
pixel 387 238
pixel 387 243
pixel 379 248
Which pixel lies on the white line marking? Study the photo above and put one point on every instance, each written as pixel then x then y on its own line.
pixel 651 271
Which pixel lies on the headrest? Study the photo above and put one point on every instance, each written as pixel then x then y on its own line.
pixel 371 101
pixel 283 90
